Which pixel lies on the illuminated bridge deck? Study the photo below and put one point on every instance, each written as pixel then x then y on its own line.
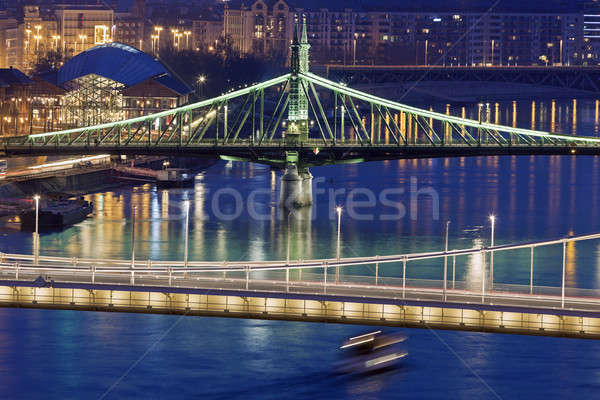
pixel 306 291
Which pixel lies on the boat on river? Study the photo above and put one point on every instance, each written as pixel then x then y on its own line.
pixel 371 352
pixel 56 215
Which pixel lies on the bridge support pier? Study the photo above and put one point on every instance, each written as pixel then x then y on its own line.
pixel 296 187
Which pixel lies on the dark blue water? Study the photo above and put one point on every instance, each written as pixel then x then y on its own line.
pixel 73 355
pixel 63 354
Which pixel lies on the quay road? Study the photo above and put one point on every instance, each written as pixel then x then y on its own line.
pixel 313 290
pixel 503 297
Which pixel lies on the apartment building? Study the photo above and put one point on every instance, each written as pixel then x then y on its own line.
pixel 395 36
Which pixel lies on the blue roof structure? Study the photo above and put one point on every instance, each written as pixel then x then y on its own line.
pixel 121 63
pixel 12 76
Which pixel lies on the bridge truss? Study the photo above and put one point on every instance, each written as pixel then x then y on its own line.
pixel 346 125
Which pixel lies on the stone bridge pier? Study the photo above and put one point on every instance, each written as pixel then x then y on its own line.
pixel 296 187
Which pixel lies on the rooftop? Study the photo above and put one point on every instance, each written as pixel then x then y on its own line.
pixel 121 63
pixel 12 76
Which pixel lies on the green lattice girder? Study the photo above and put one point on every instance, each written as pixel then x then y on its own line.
pixel 336 87
pixel 151 117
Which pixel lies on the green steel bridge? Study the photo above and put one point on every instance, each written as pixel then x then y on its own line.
pixel 344 125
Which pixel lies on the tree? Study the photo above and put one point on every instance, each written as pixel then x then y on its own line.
pixel 51 62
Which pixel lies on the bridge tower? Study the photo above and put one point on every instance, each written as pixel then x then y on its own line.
pixel 296 183
pixel 298 104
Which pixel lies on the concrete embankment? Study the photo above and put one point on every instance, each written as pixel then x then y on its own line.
pixel 90 180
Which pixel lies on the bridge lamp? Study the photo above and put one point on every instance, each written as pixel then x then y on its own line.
pixel 133 212
pixel 37 213
pixel 201 82
pixel 36 236
pixel 338 211
pixel 187 230
pixel 493 221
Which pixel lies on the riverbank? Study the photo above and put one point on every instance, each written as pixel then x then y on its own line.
pixel 80 181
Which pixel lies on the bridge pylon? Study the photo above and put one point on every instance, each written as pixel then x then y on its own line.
pixel 298 127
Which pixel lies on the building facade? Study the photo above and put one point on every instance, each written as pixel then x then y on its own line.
pixel 206 34
pixel 265 27
pixel 83 27
pixel 376 36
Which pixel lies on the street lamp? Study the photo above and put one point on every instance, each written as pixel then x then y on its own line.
pixel 153 38
pixel 187 230
pixel 355 39
pixel 56 38
pixel 158 30
pixel 37 212
pixel 287 257
pixel 82 38
pixel 201 82
pixel 493 221
pixel 446 259
pixel 36 235
pixel 133 237
pixel 175 32
pixel 37 42
pixel 187 39
pixel 338 210
pixel 28 32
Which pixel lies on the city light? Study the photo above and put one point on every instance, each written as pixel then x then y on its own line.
pixel 302 89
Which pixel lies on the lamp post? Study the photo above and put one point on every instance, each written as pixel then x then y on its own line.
pixel 158 30
pixel 153 39
pixel 187 39
pixel 175 32
pixel 187 230
pixel 37 37
pixel 56 38
pixel 446 260
pixel 28 32
pixel 133 238
pixel 201 82
pixel 561 52
pixel 37 212
pixel 37 43
pixel 82 38
pixel 287 257
pixel 493 220
pixel 338 210
pixel 36 236
pixel 355 39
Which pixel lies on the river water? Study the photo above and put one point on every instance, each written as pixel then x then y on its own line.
pixel 234 216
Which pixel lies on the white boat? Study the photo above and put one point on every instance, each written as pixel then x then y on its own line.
pixel 371 352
